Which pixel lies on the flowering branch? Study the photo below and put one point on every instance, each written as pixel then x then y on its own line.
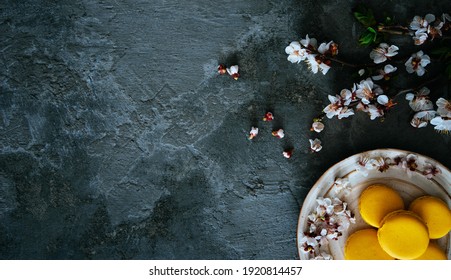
pixel 369 97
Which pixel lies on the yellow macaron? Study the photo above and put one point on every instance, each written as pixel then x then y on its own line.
pixel 433 252
pixel 376 201
pixel 435 214
pixel 403 235
pixel 363 245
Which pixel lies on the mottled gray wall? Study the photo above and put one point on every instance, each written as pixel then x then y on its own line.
pixel 120 141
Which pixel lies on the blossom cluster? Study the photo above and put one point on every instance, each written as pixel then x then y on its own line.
pixel 369 97
pixel 366 96
pixel 424 111
pixel 327 222
pixel 428 27
pixel 316 57
pixel 409 163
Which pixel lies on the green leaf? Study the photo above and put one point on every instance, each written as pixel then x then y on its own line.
pixel 368 37
pixel 365 16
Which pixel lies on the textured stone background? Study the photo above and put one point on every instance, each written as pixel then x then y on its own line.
pixel 120 141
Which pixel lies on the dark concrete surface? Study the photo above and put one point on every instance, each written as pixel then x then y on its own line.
pixel 120 141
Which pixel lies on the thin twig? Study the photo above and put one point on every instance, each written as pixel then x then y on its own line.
pixel 395 30
pixel 404 91
pixel 350 64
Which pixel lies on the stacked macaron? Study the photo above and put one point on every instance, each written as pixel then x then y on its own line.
pixel 397 232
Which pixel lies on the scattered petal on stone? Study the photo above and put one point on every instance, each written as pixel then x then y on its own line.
pixel 315 145
pixel 253 133
pixel 288 153
pixel 278 133
pixel 222 69
pixel 317 127
pixel 268 117
pixel 233 71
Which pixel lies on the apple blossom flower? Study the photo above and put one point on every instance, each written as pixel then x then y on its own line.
pixel 374 112
pixel 327 222
pixel 330 48
pixel 288 153
pixel 325 207
pixel 296 53
pixel 233 71
pixel 420 36
pixel 427 27
pixel 361 72
pixel 338 106
pixel 309 43
pixel 385 101
pixel 444 108
pixel 342 185
pixel 435 30
pixel 253 133
pixel 345 112
pixel 420 101
pixel 222 69
pixel 420 23
pixel 379 163
pixel 441 124
pixel 317 126
pixel 316 63
pixel 315 145
pixel 421 118
pixel 367 91
pixel 407 163
pixel 278 133
pixel 361 165
pixel 381 53
pixel 417 62
pixel 366 163
pixel 418 122
pixel 430 170
pixel 268 117
pixel 384 73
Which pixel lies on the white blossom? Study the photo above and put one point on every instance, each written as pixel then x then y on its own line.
pixel 430 170
pixel 381 53
pixel 342 185
pixel 420 36
pixel 367 91
pixel 317 126
pixel 408 163
pixel 278 133
pixel 417 62
pixel 441 124
pixel 309 43
pixel 420 23
pixel 421 119
pixel 253 133
pixel 315 145
pixel 296 53
pixel 383 73
pixel 420 101
pixel 233 71
pixel 444 107
pixel 316 64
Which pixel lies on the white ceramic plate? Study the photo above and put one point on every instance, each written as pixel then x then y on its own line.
pixel 409 186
